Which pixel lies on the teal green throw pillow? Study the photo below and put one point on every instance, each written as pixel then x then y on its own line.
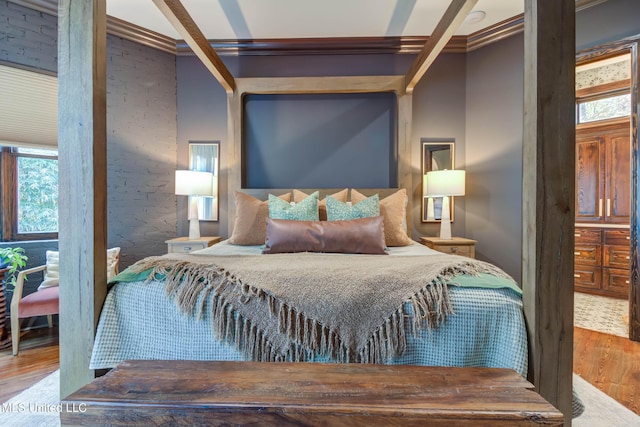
pixel 367 208
pixel 305 210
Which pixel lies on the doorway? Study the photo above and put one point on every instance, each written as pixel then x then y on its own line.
pixel 606 104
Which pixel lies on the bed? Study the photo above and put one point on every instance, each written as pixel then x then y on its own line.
pixel 483 326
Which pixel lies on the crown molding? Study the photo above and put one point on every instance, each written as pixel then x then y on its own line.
pixel 358 45
pixel 495 33
pixel 126 30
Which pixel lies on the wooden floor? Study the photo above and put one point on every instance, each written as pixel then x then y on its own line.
pixel 39 356
pixel 610 363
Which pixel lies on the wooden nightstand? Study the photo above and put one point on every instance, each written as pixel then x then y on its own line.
pixel 184 245
pixel 455 246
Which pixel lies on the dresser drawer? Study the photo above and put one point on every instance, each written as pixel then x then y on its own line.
pixel 616 256
pixel 587 254
pixel 616 282
pixel 586 276
pixel 588 235
pixel 183 245
pixel 186 247
pixel 463 250
pixel 614 236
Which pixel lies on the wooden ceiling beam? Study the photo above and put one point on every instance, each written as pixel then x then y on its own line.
pixel 449 23
pixel 178 16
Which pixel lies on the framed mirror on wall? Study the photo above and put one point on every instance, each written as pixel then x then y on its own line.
pixel 204 157
pixel 435 156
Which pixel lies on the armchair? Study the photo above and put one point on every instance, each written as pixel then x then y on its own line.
pixel 45 301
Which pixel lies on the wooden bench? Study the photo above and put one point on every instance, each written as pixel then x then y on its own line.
pixel 177 393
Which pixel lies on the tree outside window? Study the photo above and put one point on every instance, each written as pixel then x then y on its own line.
pixel 30 199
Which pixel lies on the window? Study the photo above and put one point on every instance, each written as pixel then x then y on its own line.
pixel 29 194
pixel 609 107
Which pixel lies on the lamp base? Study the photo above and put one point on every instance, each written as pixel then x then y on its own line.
pixel 431 216
pixel 194 221
pixel 445 222
pixel 194 229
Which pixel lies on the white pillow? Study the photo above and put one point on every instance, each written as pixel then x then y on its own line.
pixel 52 273
pixel 112 262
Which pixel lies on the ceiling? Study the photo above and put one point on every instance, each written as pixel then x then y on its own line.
pixel 268 19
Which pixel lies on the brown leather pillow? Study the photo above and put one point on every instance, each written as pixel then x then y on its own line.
pixel 249 225
pixel 357 236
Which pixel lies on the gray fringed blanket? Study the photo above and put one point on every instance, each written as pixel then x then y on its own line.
pixel 296 306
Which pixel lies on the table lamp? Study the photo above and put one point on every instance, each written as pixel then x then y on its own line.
pixel 445 183
pixel 194 183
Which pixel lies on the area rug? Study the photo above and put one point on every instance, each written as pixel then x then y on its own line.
pixel 602 314
pixel 38 407
pixel 600 409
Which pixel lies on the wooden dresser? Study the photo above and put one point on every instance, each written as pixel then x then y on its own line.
pixel 602 264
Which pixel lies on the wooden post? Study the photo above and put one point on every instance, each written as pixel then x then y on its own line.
pixel 234 156
pixel 405 163
pixel 548 196
pixel 82 163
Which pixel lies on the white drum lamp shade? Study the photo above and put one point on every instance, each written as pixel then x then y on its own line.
pixel 443 184
pixel 194 183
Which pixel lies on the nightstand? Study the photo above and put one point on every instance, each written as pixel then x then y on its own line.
pixel 455 246
pixel 184 245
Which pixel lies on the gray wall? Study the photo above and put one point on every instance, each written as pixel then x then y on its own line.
pixel 321 140
pixel 439 115
pixel 202 116
pixel 141 132
pixel 494 111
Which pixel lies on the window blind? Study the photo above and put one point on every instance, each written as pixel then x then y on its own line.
pixel 28 108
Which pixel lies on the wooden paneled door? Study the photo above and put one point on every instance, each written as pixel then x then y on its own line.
pixel 603 173
pixel 589 178
pixel 603 208
pixel 618 176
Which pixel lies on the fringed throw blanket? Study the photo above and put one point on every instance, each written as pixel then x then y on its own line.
pixel 296 306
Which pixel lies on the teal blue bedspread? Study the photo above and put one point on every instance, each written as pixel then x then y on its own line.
pixel 138 321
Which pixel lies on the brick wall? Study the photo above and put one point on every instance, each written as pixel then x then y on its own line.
pixel 141 149
pixel 28 37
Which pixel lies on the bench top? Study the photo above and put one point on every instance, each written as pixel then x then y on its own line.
pixel 152 392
